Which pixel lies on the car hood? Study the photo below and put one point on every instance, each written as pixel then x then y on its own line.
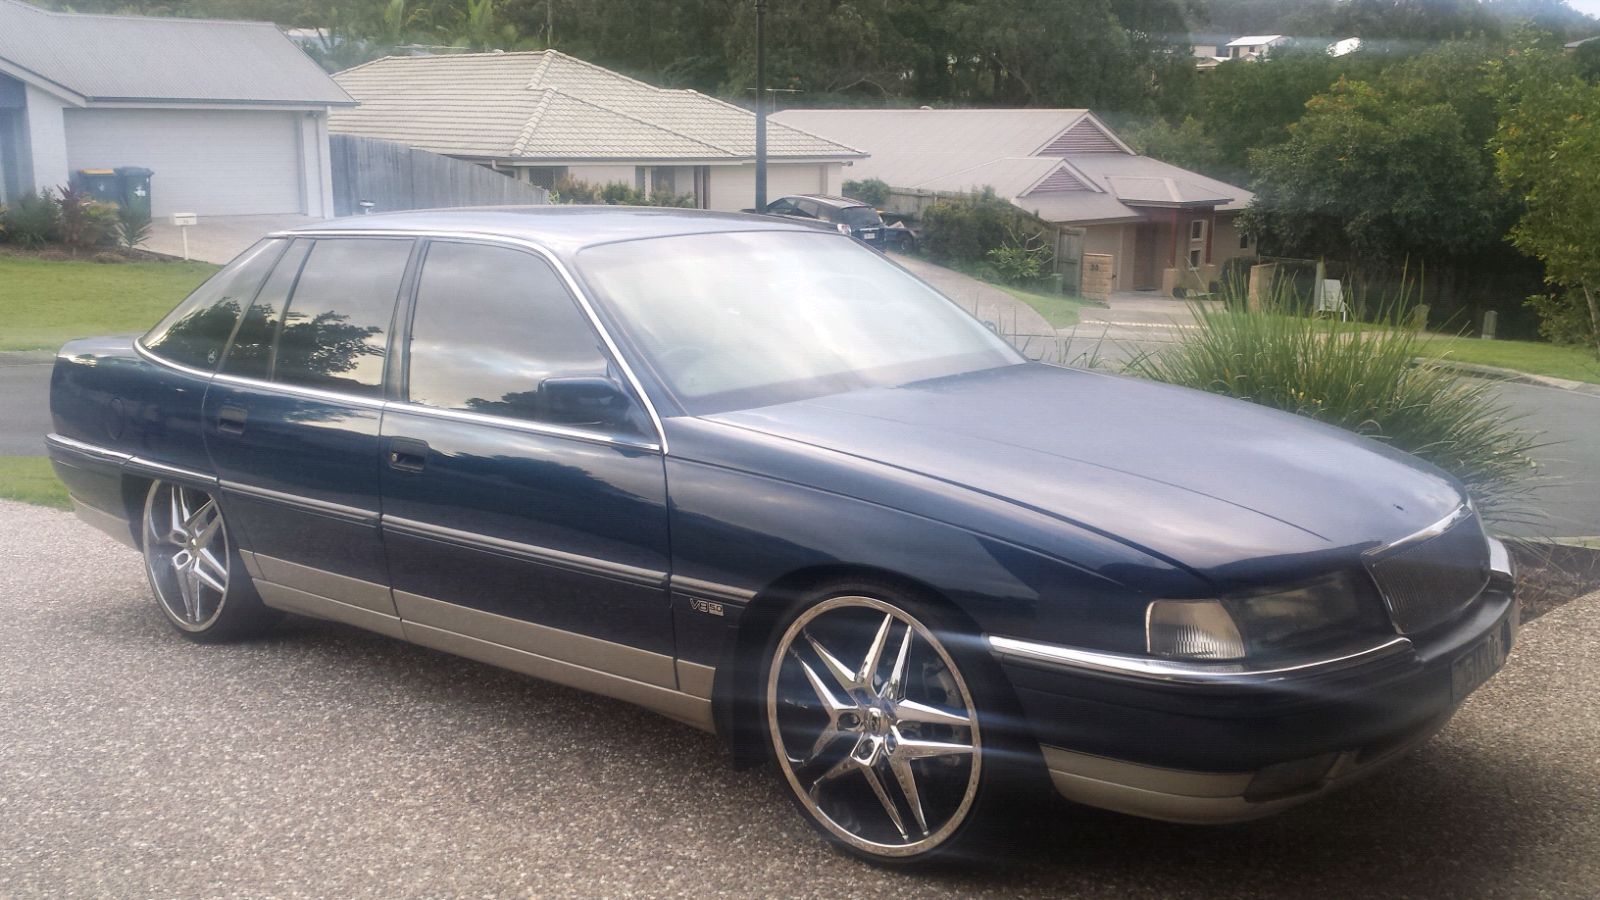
pixel 1216 485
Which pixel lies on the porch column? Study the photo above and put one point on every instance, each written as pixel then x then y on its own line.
pixel 1172 259
pixel 45 136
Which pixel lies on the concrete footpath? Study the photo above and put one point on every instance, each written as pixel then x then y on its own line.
pixel 324 761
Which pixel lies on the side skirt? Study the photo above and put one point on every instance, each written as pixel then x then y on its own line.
pixel 675 689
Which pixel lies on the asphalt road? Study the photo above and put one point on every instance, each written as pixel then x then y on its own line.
pixel 328 762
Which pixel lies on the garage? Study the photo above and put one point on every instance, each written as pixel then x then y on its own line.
pixel 211 162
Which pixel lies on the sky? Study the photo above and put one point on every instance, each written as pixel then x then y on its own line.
pixel 1591 7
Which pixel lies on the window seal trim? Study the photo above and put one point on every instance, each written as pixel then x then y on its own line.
pixel 555 262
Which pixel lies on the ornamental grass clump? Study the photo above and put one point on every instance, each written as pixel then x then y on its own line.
pixel 1373 378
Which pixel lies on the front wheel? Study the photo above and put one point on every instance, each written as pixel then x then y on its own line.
pixel 194 568
pixel 879 729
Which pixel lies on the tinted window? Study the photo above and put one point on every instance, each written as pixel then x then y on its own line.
pixel 491 324
pixel 336 330
pixel 251 353
pixel 809 208
pixel 859 217
pixel 784 207
pixel 195 333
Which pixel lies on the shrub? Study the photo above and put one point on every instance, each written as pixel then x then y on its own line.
pixel 1023 258
pixel 965 229
pixel 33 220
pixel 133 226
pixel 1365 378
pixel 571 190
pixel 85 222
pixel 1564 318
pixel 871 191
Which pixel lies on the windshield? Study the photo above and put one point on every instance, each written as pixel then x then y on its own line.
pixel 860 217
pixel 739 320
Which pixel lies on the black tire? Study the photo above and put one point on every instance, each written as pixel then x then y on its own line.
pixel 961 811
pixel 194 567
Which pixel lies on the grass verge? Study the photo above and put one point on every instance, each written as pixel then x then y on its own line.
pixel 45 303
pixel 1058 310
pixel 31 480
pixel 1553 360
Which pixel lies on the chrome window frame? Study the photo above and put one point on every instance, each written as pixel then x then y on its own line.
pixel 561 270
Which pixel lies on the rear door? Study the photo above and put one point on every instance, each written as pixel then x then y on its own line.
pixel 292 425
pixel 509 517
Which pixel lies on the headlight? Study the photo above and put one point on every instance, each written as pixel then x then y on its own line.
pixel 1262 624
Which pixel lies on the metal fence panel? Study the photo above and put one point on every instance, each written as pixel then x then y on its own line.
pixel 394 177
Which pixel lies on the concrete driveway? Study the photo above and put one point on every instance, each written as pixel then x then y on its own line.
pixel 218 239
pixel 330 762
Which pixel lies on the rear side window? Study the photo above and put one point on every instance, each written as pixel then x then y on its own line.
pixel 860 217
pixel 251 353
pixel 335 331
pixel 491 324
pixel 196 332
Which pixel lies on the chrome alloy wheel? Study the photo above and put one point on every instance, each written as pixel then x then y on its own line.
pixel 186 554
pixel 884 752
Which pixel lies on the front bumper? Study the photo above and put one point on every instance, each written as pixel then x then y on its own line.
pixel 1246 745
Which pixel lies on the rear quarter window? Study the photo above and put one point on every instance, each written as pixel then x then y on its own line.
pixel 195 333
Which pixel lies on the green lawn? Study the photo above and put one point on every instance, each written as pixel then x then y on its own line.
pixel 44 304
pixel 1573 363
pixel 1059 311
pixel 30 479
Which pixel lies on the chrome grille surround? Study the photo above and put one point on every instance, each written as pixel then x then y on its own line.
pixel 1429 577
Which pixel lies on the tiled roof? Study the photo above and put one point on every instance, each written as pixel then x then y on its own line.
pixel 547 105
pixel 95 57
pixel 1019 153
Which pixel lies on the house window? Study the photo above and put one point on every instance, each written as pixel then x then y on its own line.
pixel 664 179
pixel 1244 240
pixel 1197 229
pixel 544 176
pixel 1194 258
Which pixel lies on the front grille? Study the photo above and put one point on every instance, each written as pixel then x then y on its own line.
pixel 1428 582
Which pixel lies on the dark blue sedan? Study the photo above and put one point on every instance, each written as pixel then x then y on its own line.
pixel 758 478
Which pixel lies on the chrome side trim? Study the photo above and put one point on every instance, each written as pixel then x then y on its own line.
pixel 1461 512
pixel 677 705
pixel 564 646
pixel 1151 668
pixel 87 449
pixel 555 263
pixel 337 510
pixel 139 348
pixel 711 589
pixel 695 679
pixel 296 390
pixel 559 558
pixel 292 600
pixel 120 529
pixel 519 425
pixel 323 583
pixel 162 470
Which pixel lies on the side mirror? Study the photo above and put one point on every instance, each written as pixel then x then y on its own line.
pixel 585 400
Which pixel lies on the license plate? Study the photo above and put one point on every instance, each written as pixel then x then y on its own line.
pixel 870 234
pixel 1474 667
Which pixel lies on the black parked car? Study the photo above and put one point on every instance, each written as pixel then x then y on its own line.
pixel 851 217
pixel 668 456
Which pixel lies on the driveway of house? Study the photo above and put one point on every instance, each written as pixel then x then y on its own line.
pixel 324 761
pixel 218 239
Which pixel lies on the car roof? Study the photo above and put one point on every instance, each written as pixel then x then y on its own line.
pixel 564 229
pixel 827 199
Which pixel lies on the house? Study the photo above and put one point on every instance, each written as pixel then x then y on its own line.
pixel 1253 46
pixel 543 115
pixel 1153 225
pixel 231 116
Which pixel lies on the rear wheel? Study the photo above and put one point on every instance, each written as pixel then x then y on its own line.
pixel 879 727
pixel 194 568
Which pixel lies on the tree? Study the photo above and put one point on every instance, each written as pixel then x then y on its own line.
pixel 1366 176
pixel 1546 150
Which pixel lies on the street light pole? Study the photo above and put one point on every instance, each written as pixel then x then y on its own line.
pixel 761 106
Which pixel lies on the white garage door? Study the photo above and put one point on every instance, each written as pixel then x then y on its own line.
pixel 211 162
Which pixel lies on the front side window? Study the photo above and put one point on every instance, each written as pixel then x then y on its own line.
pixel 492 327
pixel 195 333
pixel 336 329
pixel 745 319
